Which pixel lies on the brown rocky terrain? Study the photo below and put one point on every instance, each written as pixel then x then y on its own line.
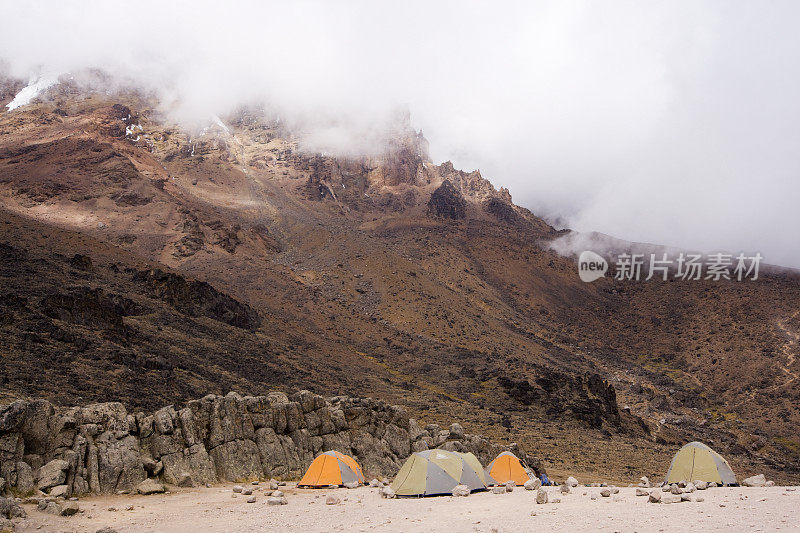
pixel 152 265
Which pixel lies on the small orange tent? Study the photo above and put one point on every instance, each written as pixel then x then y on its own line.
pixel 507 467
pixel 332 468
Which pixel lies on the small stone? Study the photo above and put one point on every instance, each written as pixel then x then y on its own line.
pixel 675 489
pixel 59 491
pixel 332 500
pixel 682 483
pixel 655 497
pixel 615 490
pixel 277 494
pixel 376 484
pixel 686 497
pixel 671 498
pixel 52 508
pixel 690 487
pixel 642 492
pixel 277 501
pixel 713 484
pixel 499 489
pixel 541 496
pixel 281 483
pixel 247 492
pixel 237 488
pixel 254 482
pixel 510 486
pixel 533 484
pixel 564 488
pixel 605 493
pixel 700 499
pixel 644 482
pixel 251 499
pixel 107 529
pixel 572 482
pixel 556 500
pixel 700 485
pixel 755 481
pixel 769 483
pixel 387 492
pixel 666 488
pixel 352 485
pixel 461 490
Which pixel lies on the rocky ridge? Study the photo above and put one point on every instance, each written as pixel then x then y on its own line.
pixel 102 448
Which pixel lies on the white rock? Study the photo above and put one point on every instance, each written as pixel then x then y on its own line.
pixel 499 489
pixel 541 496
pixel 533 484
pixel 755 481
pixel 564 488
pixel 352 485
pixel 461 490
pixel 510 486
pixel 572 482
pixel 644 482
pixel 642 492
pixel 700 485
pixel 332 500
pixel 387 492
pixel 769 483
pixel 251 499
pixel 237 488
pixel 277 501
pixel 671 498
pixel 655 497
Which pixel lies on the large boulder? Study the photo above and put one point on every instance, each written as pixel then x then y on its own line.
pixel 150 486
pixel 52 474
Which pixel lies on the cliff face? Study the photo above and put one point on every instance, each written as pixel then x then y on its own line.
pixel 102 448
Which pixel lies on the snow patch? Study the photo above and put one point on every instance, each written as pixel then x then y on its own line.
pixel 34 88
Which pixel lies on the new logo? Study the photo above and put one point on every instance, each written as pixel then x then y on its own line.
pixel 591 266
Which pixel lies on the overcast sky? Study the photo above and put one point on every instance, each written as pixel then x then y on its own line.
pixel 669 122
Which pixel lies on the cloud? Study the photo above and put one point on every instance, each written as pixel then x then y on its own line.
pixel 674 122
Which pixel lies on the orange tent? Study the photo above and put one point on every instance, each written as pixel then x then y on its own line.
pixel 332 468
pixel 508 467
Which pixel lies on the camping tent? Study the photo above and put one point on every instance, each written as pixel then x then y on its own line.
pixel 475 464
pixel 507 467
pixel 696 461
pixel 437 471
pixel 332 468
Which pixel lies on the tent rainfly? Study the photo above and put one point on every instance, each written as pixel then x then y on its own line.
pixel 437 471
pixel 696 461
pixel 332 468
pixel 507 467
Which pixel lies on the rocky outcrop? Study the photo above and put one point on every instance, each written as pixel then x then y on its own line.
pixel 447 202
pixel 101 448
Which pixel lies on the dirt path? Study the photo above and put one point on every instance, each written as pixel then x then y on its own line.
pixel 214 509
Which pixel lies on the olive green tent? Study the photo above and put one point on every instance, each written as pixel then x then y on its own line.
pixel 437 472
pixel 696 461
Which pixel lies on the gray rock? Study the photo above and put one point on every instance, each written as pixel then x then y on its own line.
pixel 605 493
pixel 510 486
pixel 247 492
pixel 675 489
pixel 52 474
pixel 541 496
pixel 701 485
pixel 690 487
pixel 533 484
pixel 700 499
pixel 59 491
pixel 655 497
pixel 277 501
pixel 499 489
pixel 769 483
pixel 277 493
pixel 461 490
pixel 107 529
pixel 69 508
pixel 239 488
pixel 150 486
pixel 332 500
pixel 456 431
pixel 52 508
pixel 251 499
pixel 644 482
pixel 353 485
pixel 572 482
pixel 686 497
pixel 755 481
pixel 387 492
pixel 9 508
pixel 564 488
pixel 642 492
pixel 375 483
pixel 671 498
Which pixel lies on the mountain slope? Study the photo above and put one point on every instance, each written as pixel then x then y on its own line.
pixel 383 275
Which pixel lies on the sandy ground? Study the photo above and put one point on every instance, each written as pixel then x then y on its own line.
pixel 362 509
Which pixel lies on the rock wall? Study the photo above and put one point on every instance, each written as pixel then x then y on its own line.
pixel 101 448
